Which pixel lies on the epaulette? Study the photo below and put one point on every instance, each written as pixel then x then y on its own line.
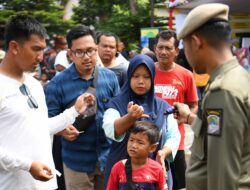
pixel 217 83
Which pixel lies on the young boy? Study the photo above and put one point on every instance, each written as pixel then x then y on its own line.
pixel 146 173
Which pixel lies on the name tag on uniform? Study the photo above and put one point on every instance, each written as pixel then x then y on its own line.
pixel 214 121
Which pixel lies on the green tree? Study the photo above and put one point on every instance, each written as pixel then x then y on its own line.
pixel 90 12
pixel 124 18
pixel 48 12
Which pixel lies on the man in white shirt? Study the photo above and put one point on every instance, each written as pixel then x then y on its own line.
pixel 25 147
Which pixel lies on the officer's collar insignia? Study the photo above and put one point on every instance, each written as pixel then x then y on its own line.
pixel 214 121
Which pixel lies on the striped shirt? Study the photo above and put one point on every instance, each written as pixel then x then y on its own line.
pixel 92 145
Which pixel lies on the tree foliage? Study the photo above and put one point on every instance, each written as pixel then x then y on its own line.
pixel 124 18
pixel 48 12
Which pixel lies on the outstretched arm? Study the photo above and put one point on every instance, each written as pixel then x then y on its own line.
pixel 124 123
pixel 12 162
pixel 171 145
pixel 63 120
pixel 184 114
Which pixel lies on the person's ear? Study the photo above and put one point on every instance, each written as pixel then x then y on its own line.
pixel 177 50
pixel 153 147
pixel 196 41
pixel 70 54
pixel 13 47
pixel 68 57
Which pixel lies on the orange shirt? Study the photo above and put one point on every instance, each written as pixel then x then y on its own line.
pixel 200 79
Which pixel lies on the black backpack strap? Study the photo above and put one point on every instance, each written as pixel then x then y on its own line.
pixel 95 76
pixel 128 169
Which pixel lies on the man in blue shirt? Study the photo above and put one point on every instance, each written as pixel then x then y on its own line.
pixel 83 154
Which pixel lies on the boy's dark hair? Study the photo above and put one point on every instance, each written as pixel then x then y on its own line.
pixel 21 27
pixel 78 32
pixel 166 35
pixel 148 128
pixel 216 32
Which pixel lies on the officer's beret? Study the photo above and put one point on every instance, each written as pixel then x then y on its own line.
pixel 201 15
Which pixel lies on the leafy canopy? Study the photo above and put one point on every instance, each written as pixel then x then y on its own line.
pixel 124 18
pixel 48 12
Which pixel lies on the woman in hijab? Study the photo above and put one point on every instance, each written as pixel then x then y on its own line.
pixel 137 102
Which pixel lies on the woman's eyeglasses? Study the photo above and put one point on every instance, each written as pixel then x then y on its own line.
pixel 31 100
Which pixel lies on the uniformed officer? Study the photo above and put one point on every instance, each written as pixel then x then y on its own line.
pixel 220 157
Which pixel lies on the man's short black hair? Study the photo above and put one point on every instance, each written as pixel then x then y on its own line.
pixel 166 35
pixel 78 32
pixel 216 32
pixel 148 128
pixel 21 27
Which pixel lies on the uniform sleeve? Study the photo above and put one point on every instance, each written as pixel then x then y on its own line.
pixel 161 183
pixel 12 162
pixel 110 115
pixel 113 183
pixel 225 154
pixel 173 137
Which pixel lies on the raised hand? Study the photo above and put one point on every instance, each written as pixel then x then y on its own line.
pixel 83 101
pixel 136 111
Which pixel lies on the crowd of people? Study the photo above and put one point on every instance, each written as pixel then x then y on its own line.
pixel 84 115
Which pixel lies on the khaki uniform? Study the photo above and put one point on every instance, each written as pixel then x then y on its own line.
pixel 220 157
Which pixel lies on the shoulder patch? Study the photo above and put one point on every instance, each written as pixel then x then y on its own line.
pixel 214 121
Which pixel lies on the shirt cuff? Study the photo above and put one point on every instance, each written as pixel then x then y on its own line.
pixel 71 113
pixel 26 165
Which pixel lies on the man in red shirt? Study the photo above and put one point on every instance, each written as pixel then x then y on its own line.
pixel 174 83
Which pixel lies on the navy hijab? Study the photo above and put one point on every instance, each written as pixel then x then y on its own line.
pixel 153 106
pixel 149 101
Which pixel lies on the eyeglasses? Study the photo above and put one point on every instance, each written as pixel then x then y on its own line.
pixel 80 53
pixel 31 100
